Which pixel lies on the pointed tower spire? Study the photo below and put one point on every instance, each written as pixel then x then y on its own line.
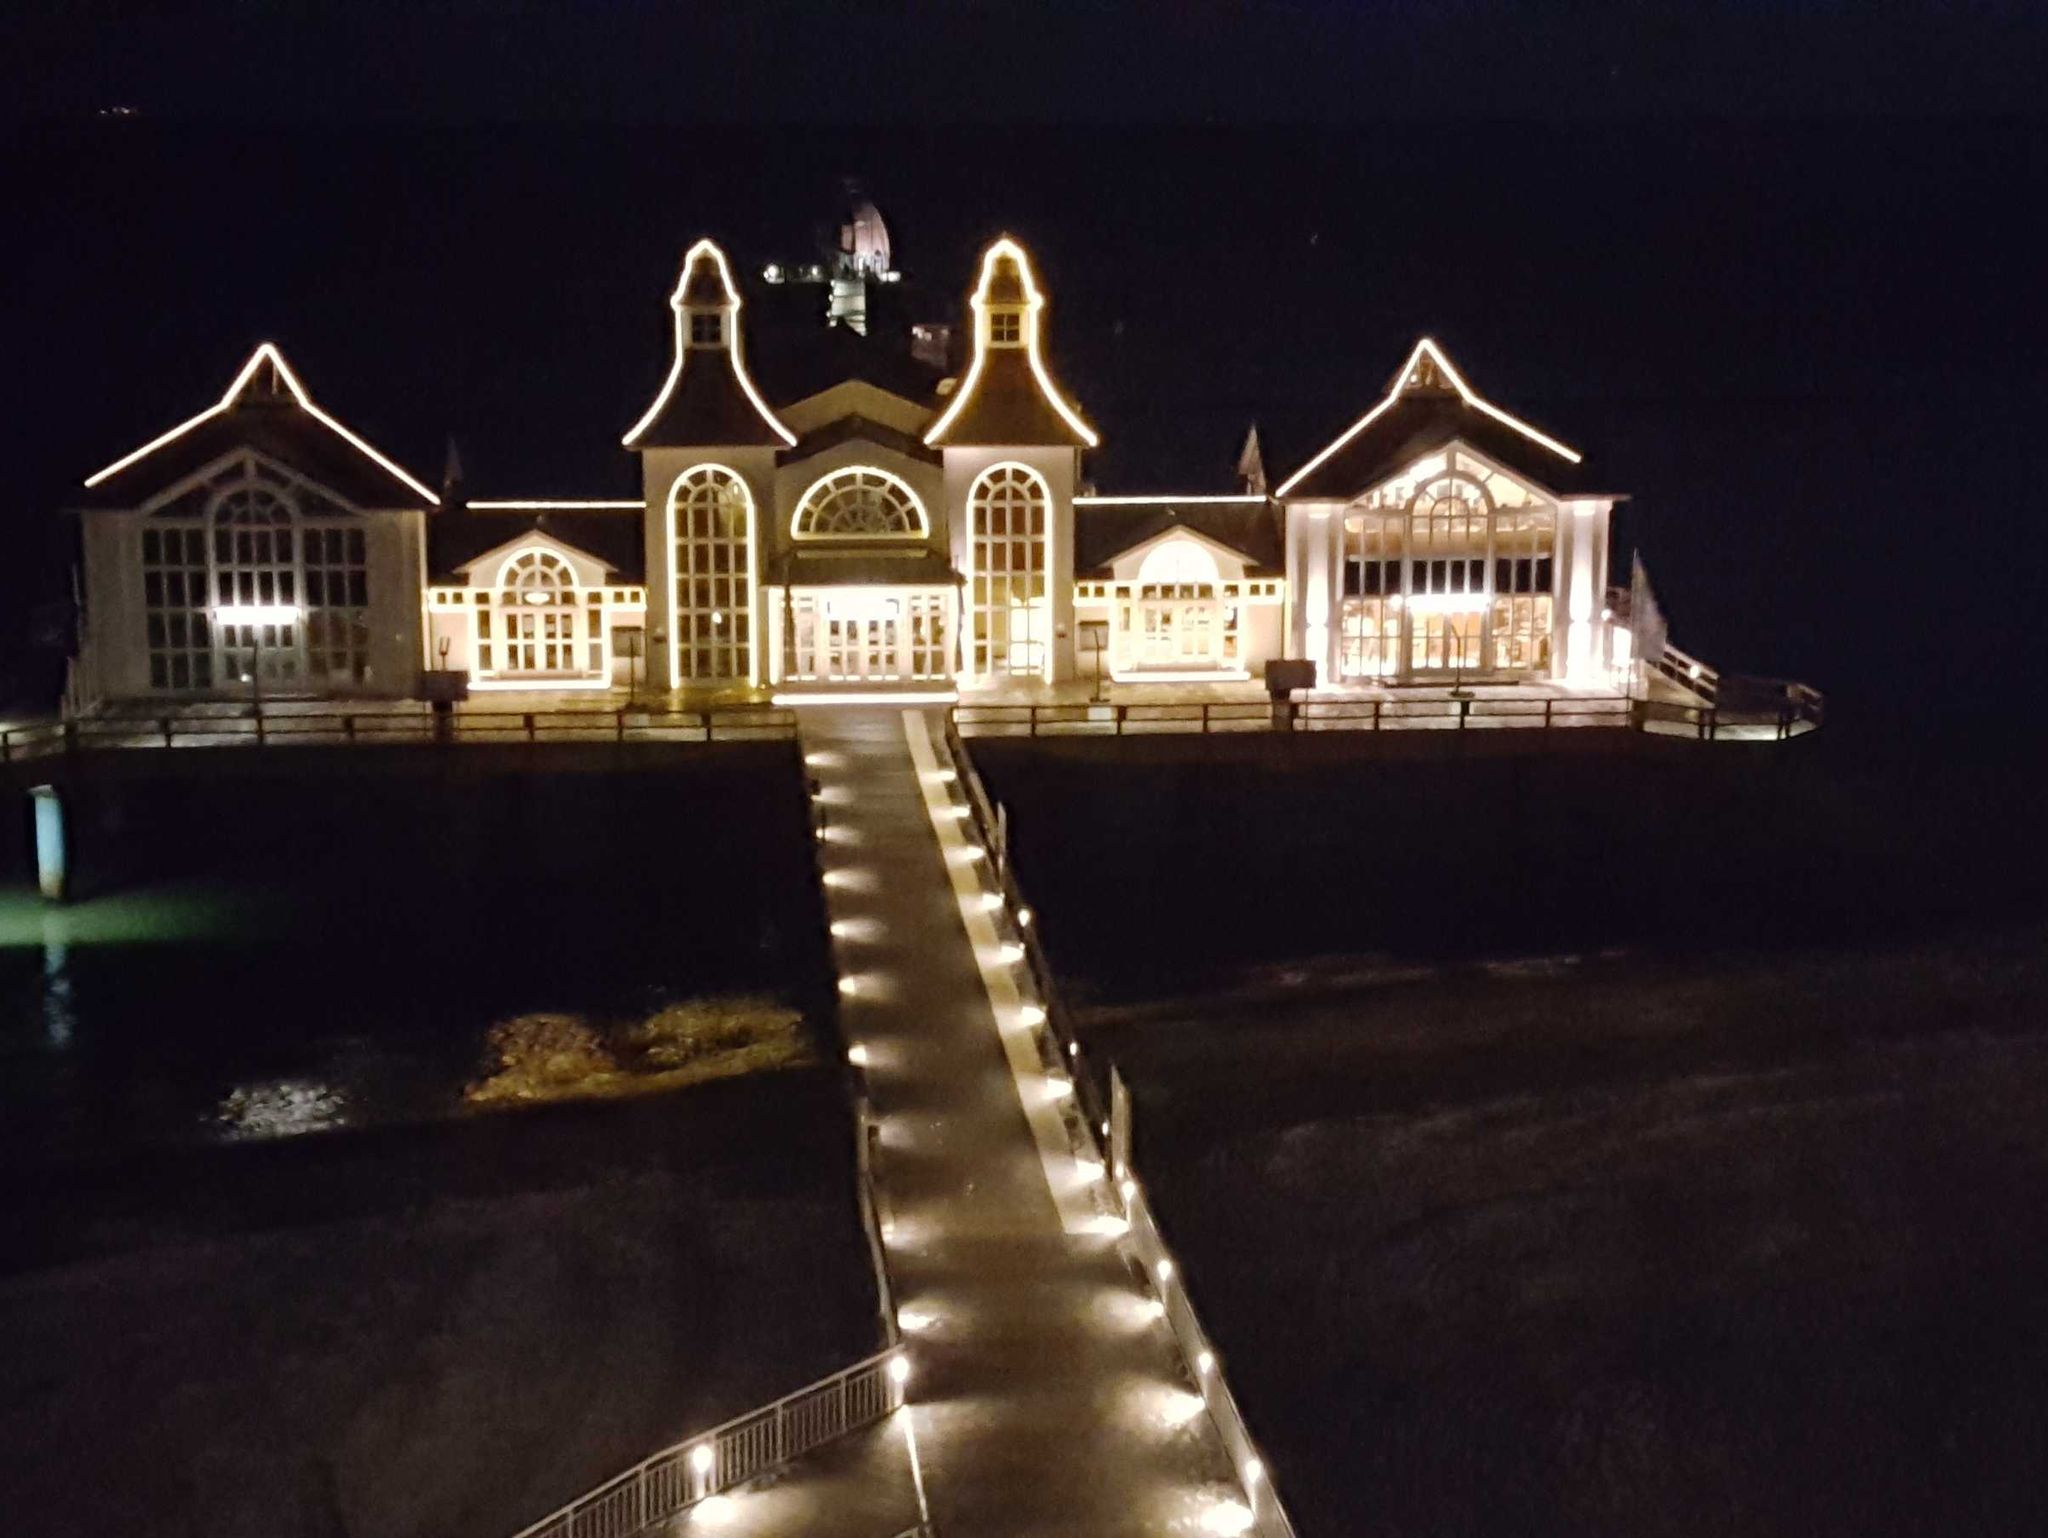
pixel 708 397
pixel 451 475
pixel 1008 397
pixel 1251 464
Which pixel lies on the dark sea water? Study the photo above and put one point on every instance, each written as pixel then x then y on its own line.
pixel 252 959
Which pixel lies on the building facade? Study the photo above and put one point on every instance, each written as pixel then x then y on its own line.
pixel 871 524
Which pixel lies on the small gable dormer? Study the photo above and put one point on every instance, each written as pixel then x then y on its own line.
pixel 1008 397
pixel 708 399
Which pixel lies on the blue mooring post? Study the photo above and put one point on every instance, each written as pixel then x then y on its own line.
pixel 52 868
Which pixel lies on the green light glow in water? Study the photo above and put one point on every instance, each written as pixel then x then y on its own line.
pixel 168 913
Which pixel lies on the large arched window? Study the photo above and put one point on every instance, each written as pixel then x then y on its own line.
pixel 1009 509
pixel 537 619
pixel 252 572
pixel 711 576
pixel 1448 567
pixel 860 502
pixel 256 569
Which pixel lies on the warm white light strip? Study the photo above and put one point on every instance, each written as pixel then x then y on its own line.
pixel 1160 500
pixel 266 353
pixel 1034 302
pixel 554 504
pixel 1465 393
pixel 1187 676
pixel 879 697
pixel 539 685
pixel 732 342
pixel 257 613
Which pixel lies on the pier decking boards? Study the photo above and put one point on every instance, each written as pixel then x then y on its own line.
pixel 1044 1398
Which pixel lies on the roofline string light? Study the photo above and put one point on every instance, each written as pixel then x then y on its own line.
pixel 557 504
pixel 267 352
pixel 1162 501
pixel 1465 393
pixel 731 307
pixel 1034 302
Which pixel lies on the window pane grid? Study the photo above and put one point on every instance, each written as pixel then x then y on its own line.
pixel 1007 514
pixel 714 592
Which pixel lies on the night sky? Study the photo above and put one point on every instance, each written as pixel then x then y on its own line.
pixel 1777 276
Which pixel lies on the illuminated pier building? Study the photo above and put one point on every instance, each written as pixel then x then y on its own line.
pixel 884 524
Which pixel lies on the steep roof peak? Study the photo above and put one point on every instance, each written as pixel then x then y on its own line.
pixel 266 381
pixel 1008 396
pixel 1430 384
pixel 708 397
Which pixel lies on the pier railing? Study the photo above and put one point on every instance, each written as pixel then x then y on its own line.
pixel 1104 1103
pixel 1434 713
pixel 1744 710
pixel 678 1477
pixel 356 728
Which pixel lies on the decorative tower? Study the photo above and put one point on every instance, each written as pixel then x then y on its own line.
pixel 1012 448
pixel 707 455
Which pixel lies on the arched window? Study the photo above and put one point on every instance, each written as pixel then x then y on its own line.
pixel 1448 566
pixel 1174 617
pixel 538 617
pixel 859 502
pixel 1178 563
pixel 256 568
pixel 255 571
pixel 711 576
pixel 1009 509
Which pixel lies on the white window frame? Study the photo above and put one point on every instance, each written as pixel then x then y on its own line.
pixel 693 556
pixel 852 483
pixel 1014 488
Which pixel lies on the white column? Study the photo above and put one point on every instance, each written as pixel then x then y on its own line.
pixel 1319 620
pixel 1582 604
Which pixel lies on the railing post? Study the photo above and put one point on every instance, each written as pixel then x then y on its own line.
pixel 164 725
pixel 529 726
pixel 1376 704
pixel 622 726
pixel 348 728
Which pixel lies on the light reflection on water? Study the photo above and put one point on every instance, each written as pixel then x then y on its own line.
pixel 282 1108
pixel 308 999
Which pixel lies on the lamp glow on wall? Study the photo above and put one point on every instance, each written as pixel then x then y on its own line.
pixel 256 617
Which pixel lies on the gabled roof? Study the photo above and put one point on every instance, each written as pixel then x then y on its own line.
pixel 460 536
pixel 1105 530
pixel 1008 397
pixel 265 409
pixel 857 429
pixel 708 398
pixel 1427 406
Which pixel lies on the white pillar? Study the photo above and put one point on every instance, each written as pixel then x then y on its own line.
pixel 1317 608
pixel 1582 603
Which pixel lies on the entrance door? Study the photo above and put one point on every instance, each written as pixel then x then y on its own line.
pixel 861 647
